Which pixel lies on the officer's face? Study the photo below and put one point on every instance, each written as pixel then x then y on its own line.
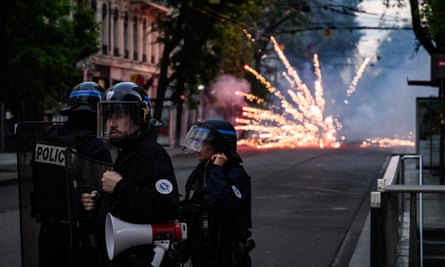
pixel 207 150
pixel 121 125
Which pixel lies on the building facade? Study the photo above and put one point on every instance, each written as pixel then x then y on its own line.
pixel 129 51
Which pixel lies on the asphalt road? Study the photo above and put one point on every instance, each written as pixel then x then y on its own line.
pixel 309 205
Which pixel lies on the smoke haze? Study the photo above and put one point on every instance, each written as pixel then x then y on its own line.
pixel 225 100
pixel 382 104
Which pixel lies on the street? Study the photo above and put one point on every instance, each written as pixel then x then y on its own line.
pixel 309 205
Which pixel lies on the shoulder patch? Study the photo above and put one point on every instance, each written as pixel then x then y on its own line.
pixel 236 192
pixel 164 186
pixel 50 154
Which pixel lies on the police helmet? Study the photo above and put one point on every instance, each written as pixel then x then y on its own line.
pixel 84 97
pixel 124 99
pixel 220 133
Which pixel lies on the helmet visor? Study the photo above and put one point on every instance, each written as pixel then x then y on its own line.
pixel 118 119
pixel 196 137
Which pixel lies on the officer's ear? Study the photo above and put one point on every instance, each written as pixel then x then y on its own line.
pixel 219 147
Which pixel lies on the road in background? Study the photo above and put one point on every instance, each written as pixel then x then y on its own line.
pixel 310 205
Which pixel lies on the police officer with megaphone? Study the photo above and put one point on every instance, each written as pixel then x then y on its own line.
pixel 142 187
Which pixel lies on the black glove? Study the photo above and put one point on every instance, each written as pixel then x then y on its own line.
pixel 180 252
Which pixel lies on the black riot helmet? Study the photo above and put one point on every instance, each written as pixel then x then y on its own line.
pixel 220 133
pixel 124 99
pixel 84 97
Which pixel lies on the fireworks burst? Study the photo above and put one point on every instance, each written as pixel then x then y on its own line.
pixel 298 120
pixel 386 142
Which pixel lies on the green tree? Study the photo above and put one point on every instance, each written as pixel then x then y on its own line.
pixel 428 24
pixel 427 20
pixel 201 40
pixel 43 41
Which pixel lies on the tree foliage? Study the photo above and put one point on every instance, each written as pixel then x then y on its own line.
pixel 45 40
pixel 202 39
pixel 432 14
pixel 427 23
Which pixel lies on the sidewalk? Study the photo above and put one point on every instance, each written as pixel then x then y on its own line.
pixel 361 255
pixel 433 211
pixel 8 168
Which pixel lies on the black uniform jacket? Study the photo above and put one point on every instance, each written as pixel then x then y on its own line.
pixel 223 195
pixel 148 191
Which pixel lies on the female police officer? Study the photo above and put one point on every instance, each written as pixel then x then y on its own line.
pixel 217 204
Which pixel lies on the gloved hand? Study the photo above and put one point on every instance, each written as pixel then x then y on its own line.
pixel 179 252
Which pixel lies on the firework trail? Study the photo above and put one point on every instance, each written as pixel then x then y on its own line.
pixel 298 120
pixel 359 74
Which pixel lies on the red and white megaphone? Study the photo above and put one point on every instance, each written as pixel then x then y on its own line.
pixel 121 235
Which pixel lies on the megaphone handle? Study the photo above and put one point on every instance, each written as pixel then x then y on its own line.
pixel 159 250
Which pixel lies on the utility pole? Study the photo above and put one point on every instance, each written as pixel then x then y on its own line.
pixel 437 73
pixel 438 77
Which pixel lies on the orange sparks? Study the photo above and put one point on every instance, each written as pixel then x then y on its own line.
pixel 298 118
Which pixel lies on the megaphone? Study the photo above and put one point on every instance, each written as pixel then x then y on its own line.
pixel 121 235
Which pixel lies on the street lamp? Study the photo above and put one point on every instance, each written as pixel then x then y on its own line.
pixel 201 88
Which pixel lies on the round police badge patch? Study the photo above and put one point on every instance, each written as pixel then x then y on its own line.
pixel 164 186
pixel 236 191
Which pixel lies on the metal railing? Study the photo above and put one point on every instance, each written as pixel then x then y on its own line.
pixel 394 215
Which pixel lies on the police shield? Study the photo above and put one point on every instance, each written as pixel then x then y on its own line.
pixel 51 180
pixel 86 173
pixel 28 133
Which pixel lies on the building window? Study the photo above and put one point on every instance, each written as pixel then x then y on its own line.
pixel 144 41
pixel 135 38
pixel 116 32
pixel 126 36
pixel 153 46
pixel 105 30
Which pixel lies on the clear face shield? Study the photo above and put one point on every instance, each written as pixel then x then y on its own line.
pixel 119 119
pixel 196 137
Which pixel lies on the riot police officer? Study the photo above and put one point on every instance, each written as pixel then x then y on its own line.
pixel 217 204
pixel 55 201
pixel 142 186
